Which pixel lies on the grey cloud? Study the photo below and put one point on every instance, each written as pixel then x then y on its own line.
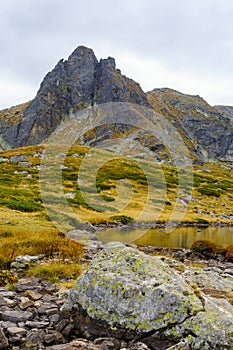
pixel 186 36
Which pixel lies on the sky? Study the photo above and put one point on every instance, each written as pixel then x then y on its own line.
pixel 182 44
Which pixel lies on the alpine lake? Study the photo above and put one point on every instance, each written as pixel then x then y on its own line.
pixel 178 237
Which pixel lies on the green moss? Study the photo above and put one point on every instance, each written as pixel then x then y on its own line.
pixel 122 218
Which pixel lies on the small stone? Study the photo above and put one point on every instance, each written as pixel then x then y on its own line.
pixel 21 324
pixel 52 311
pixel 4 160
pixel 54 337
pixel 31 294
pixel 38 303
pixel 37 324
pixel 108 343
pixel 7 324
pixel 62 324
pixel 10 302
pixel 60 347
pixel 229 271
pixel 139 346
pixel 34 339
pixel 25 303
pixel 66 331
pixel 18 158
pixel 54 318
pixel 44 308
pixel 3 340
pixel 16 331
pixel 24 285
pixel 16 316
pixel 180 346
pixel 9 295
pixel 25 164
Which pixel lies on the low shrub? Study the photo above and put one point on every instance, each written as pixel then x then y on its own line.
pixel 122 218
pixel 229 253
pixel 25 206
pixel 208 191
pixel 107 198
pixel 207 248
pixel 202 221
pixel 7 277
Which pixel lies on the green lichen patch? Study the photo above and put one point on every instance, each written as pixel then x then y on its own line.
pixel 125 287
pixel 211 329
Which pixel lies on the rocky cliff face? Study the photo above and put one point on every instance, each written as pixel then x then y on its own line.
pixel 82 81
pixel 72 85
pixel 228 110
pixel 207 131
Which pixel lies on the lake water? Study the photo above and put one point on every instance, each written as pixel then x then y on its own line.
pixel 180 237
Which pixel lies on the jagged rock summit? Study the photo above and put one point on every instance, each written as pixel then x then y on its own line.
pixel 72 85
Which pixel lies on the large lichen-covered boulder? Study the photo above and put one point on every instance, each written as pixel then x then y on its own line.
pixel 160 300
pixel 126 288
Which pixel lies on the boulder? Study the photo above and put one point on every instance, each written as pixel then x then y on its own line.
pixel 130 295
pixel 18 158
pixel 129 289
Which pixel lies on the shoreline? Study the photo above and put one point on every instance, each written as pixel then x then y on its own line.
pixel 154 225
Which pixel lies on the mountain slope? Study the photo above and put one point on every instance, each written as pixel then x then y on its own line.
pixel 228 110
pixel 82 81
pixel 207 132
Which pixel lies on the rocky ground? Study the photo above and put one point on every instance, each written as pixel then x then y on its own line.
pixel 31 316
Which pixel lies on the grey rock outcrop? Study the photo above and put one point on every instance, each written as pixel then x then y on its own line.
pixel 72 85
pixel 207 131
pixel 155 299
pixel 228 110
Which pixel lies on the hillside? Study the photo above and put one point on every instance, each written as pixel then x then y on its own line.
pixel 107 195
pixel 207 131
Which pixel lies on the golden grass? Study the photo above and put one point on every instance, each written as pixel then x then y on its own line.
pixel 23 234
pixel 55 270
pixel 122 190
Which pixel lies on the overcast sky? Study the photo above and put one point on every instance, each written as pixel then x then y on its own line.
pixel 186 45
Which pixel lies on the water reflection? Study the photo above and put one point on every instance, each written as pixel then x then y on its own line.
pixel 181 237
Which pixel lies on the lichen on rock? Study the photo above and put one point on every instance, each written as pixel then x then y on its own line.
pixel 126 288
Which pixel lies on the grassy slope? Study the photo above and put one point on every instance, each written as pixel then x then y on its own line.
pixel 21 204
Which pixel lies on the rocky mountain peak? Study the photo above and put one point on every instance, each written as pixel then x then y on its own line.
pixel 82 51
pixel 73 84
pixel 108 62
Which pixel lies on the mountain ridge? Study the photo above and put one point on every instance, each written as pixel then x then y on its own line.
pixel 82 81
